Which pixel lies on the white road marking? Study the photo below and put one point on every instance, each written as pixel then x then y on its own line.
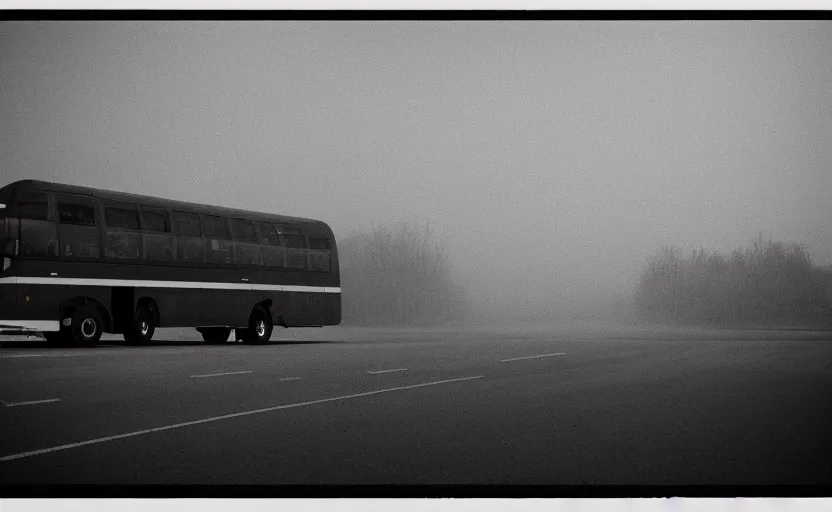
pixel 225 417
pixel 388 371
pixel 532 357
pixel 289 378
pixel 218 374
pixel 32 402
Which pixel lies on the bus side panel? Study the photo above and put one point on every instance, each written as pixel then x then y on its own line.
pixel 8 302
pixel 37 302
pixel 205 307
pixel 306 308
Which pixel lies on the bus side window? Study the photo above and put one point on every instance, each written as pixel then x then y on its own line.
pixel 38 234
pixel 158 242
pixel 189 243
pixel 218 244
pixel 121 241
pixel 79 235
pixel 318 254
pixel 246 244
pixel 274 255
pixel 295 244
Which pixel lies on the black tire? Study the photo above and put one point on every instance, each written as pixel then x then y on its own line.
pixel 140 332
pixel 215 334
pixel 86 327
pixel 260 327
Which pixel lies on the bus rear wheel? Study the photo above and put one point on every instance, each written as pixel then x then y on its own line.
pixel 215 334
pixel 260 327
pixel 86 327
pixel 140 332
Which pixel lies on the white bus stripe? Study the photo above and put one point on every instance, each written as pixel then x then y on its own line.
pixel 225 417
pixel 147 283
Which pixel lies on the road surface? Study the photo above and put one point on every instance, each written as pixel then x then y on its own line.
pixel 533 405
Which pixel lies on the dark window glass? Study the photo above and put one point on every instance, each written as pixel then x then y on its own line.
pixel 121 245
pixel 243 230
pixel 121 217
pixel 291 237
pixel 318 260
pixel 79 241
pixel 273 256
pixel 219 251
pixel 246 254
pixel 214 227
pixel 76 210
pixel 295 258
pixel 38 238
pixel 190 249
pixel 158 247
pixel 187 224
pixel 268 234
pixel 321 244
pixel 33 206
pixel 155 219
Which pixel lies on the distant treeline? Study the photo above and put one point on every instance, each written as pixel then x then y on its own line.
pixel 397 276
pixel 767 284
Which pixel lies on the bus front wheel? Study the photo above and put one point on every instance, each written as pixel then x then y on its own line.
pixel 86 327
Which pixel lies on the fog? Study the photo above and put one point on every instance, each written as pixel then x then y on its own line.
pixel 553 158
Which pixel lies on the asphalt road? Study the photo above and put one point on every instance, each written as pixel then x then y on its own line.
pixel 514 405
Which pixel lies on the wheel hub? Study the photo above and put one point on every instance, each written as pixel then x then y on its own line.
pixel 88 327
pixel 145 328
pixel 261 328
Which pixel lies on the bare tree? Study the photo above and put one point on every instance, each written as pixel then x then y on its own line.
pixel 768 283
pixel 397 276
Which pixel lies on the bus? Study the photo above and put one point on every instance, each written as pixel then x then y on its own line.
pixel 79 262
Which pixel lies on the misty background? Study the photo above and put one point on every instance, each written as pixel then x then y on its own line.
pixel 550 159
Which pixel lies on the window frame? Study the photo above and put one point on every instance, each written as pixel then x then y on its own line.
pixel 51 218
pixel 156 209
pixel 117 205
pixel 97 211
pixel 255 238
pixel 225 225
pixel 98 224
pixel 175 224
pixel 50 215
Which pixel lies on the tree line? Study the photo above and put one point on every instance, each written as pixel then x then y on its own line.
pixel 767 284
pixel 397 276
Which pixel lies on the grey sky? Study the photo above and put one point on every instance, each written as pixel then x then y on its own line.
pixel 554 157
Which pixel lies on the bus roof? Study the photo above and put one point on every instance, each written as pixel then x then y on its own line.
pixel 163 202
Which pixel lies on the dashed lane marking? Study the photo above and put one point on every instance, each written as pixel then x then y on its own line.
pixel 388 371
pixel 218 374
pixel 227 416
pixel 31 402
pixel 532 357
